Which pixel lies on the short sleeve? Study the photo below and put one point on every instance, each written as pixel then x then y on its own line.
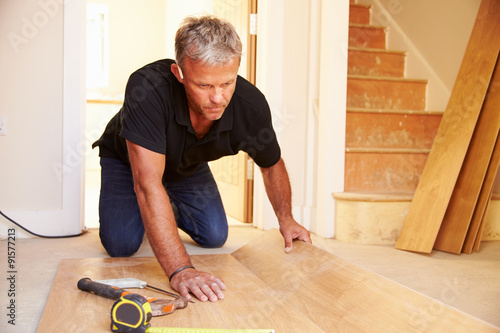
pixel 253 125
pixel 263 145
pixel 144 112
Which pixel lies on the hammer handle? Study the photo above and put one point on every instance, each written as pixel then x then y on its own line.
pixel 101 289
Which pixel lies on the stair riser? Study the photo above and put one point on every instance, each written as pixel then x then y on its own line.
pixel 359 15
pixel 376 63
pixel 367 37
pixel 383 172
pixel 380 222
pixel 380 94
pixel 387 130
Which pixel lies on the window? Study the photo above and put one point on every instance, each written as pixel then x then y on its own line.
pixel 97 46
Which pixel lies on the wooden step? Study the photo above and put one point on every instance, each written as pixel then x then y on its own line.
pixel 377 217
pixel 376 62
pixel 370 218
pixel 359 14
pixel 386 93
pixel 391 129
pixel 367 36
pixel 387 170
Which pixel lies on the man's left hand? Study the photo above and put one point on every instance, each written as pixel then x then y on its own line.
pixel 291 230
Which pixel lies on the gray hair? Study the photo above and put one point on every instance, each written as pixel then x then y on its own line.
pixel 207 39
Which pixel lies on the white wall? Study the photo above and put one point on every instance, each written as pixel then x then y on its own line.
pixel 42 97
pixel 295 39
pixel 32 101
pixel 435 34
pixel 175 12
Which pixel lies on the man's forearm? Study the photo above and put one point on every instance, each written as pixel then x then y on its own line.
pixel 278 189
pixel 161 228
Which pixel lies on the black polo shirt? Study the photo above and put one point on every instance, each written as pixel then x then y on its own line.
pixel 155 115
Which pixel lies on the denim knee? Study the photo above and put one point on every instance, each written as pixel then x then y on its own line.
pixel 212 240
pixel 127 250
pixel 120 247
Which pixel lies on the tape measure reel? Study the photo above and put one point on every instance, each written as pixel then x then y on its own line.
pixel 131 313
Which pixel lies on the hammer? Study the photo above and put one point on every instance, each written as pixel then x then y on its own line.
pixel 159 307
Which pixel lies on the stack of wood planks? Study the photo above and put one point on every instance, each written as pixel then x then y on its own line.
pixel 448 209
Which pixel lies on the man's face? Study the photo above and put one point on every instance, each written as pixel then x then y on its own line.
pixel 209 88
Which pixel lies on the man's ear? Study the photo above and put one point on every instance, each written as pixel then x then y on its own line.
pixel 176 70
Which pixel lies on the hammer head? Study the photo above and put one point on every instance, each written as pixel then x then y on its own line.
pixel 161 307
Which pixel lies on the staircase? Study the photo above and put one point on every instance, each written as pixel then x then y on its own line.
pixel 389 135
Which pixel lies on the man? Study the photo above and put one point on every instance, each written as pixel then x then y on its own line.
pixel 155 178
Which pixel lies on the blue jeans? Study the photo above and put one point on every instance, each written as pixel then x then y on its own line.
pixel 195 200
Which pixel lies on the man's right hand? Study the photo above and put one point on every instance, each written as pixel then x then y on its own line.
pixel 203 285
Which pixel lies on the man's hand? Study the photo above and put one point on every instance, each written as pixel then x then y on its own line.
pixel 291 230
pixel 159 221
pixel 279 193
pixel 204 286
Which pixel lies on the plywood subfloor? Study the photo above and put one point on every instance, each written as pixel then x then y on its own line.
pixel 308 290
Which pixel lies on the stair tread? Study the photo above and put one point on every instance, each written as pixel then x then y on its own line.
pixel 374 196
pixel 368 49
pixel 367 26
pixel 379 150
pixel 359 5
pixel 383 196
pixel 385 78
pixel 390 111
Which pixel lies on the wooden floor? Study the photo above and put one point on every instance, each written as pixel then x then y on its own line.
pixel 308 290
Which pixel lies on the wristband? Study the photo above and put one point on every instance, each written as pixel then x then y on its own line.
pixel 178 271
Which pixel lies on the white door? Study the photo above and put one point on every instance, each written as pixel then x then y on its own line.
pixel 234 173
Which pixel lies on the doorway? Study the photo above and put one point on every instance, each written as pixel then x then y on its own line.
pixel 116 48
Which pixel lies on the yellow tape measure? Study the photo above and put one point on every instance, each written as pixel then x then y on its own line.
pixel 203 330
pixel 132 313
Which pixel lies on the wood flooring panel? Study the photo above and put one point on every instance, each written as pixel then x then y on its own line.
pixel 341 297
pixel 454 134
pixel 470 181
pixel 477 241
pixel 249 303
pixel 69 310
pixel 473 234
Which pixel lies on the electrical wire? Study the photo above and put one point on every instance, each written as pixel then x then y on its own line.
pixel 37 235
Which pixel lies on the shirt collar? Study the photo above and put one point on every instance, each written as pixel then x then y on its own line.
pixel 225 123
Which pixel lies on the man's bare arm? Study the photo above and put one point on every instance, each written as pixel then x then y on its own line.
pixel 278 190
pixel 161 228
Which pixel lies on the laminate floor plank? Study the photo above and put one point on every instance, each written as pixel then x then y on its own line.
pixel 307 290
pixel 342 297
pixel 249 302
